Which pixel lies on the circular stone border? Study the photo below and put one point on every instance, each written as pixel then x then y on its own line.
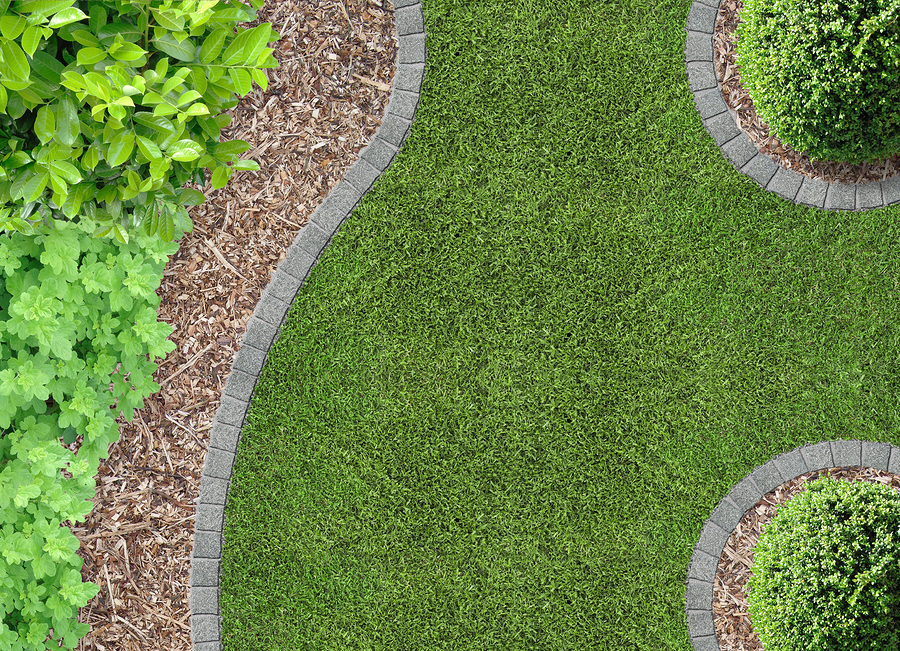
pixel 744 496
pixel 720 121
pixel 264 325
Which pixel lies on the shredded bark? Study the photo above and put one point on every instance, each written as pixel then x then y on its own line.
pixel 322 106
pixel 744 112
pixel 731 617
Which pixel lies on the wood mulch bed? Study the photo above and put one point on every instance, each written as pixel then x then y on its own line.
pixel 731 618
pixel 322 106
pixel 738 100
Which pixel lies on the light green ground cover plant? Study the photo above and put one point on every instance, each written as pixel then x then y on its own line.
pixel 826 570
pixel 91 199
pixel 555 334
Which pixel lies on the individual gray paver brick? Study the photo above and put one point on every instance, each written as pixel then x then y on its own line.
pixel 204 601
pixel 709 103
pixel 739 150
pixel 224 436
pixel 876 455
pixel 240 385
pixel 894 463
pixel 722 128
pixel 412 49
pixel 210 646
pixel 701 75
pixel 705 643
pixel 700 623
pixel 406 3
pixel 337 205
pixel 713 539
pixel 362 175
pixel 297 262
pixel 745 494
pixel 209 517
pixel 259 335
pixel 812 192
pixel 394 129
pixel 817 456
pixel 205 628
pixel 312 238
pixel 785 183
pixel 205 572
pixel 891 190
pixel 869 195
pixel 840 197
pixel 702 566
pixel 760 168
pixel 249 360
pixel 701 18
pixel 231 411
pixel 213 490
pixel 272 310
pixel 378 154
pixel 699 594
pixel 698 47
pixel 846 453
pixel 767 477
pixel 403 103
pixel 219 463
pixel 207 545
pixel 409 20
pixel 283 285
pixel 409 76
pixel 726 514
pixel 791 464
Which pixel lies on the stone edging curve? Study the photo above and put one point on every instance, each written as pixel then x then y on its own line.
pixel 736 146
pixel 264 326
pixel 743 496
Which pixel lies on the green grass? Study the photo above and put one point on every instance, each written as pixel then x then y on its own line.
pixel 541 350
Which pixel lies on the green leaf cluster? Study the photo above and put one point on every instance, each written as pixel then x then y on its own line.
pixel 826 570
pixel 825 76
pixel 108 107
pixel 79 340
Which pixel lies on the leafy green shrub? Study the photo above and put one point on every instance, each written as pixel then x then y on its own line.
pixel 87 90
pixel 825 75
pixel 826 571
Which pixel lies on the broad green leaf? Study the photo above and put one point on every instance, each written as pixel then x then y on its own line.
pixel 85 38
pixel 129 52
pixel 190 197
pixel 47 66
pixel 45 7
pixel 176 80
pixel 97 85
pixel 166 226
pixel 45 124
pixel 148 148
pixel 107 34
pixel 188 96
pixel 151 220
pixel 231 147
pixel 14 62
pixel 88 56
pixel 138 82
pixel 220 177
pixel 124 101
pixel 259 76
pixel 185 150
pixel 98 17
pixel 96 110
pixel 12 26
pixel 168 19
pixel 181 51
pixel 35 186
pixel 120 233
pixel 159 167
pixel 256 41
pixel 60 189
pixel 151 99
pixel 65 171
pixel 251 165
pixel 155 122
pixel 90 158
pixel 120 149
pixel 215 73
pixel 198 77
pixel 117 111
pixel 241 79
pixel 31 39
pixel 3 99
pixel 66 16
pixel 213 45
pixel 165 109
pixel 197 109
pixel 235 51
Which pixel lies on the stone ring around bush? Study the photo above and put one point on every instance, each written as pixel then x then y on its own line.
pixel 716 604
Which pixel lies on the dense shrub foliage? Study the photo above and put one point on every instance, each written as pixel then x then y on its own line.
pixel 825 75
pixel 106 109
pixel 826 571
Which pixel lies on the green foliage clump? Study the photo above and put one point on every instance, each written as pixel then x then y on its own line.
pixel 825 75
pixel 826 571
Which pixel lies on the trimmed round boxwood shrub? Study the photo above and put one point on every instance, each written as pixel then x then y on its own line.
pixel 825 75
pixel 826 570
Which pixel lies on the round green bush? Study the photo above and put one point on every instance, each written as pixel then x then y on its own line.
pixel 826 571
pixel 824 74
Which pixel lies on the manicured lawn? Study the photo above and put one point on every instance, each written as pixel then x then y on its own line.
pixel 542 349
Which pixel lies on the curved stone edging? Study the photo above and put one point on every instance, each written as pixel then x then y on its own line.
pixel 737 147
pixel 264 326
pixel 745 494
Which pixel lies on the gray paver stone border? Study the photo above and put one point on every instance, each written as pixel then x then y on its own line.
pixel 744 495
pixel 271 310
pixel 721 123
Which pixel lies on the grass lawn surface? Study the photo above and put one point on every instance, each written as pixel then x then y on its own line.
pixel 541 350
